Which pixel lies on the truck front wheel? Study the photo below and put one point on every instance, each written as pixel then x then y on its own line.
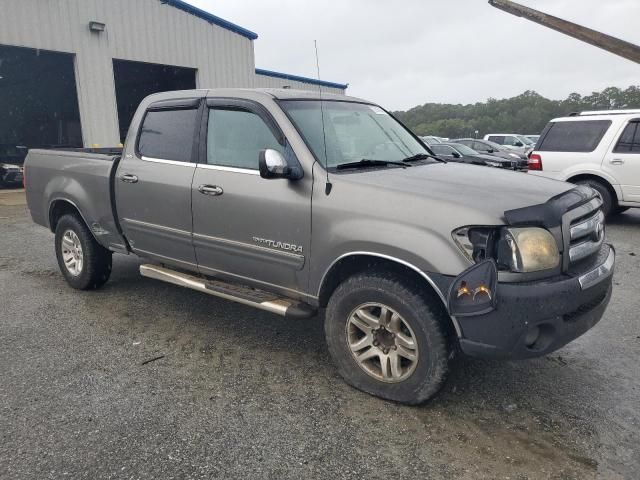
pixel 85 264
pixel 386 338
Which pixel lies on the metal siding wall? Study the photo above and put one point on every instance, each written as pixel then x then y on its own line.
pixel 140 30
pixel 265 81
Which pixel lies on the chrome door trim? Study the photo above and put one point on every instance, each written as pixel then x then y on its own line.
pixel 246 171
pixel 246 249
pixel 157 227
pixel 168 162
pixel 443 298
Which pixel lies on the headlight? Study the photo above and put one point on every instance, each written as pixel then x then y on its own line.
pixel 528 249
pixel 520 250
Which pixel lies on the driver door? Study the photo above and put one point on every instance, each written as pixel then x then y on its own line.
pixel 251 229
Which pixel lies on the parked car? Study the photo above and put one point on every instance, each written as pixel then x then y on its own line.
pixel 251 196
pixel 512 141
pixel 10 175
pixel 533 138
pixel 490 148
pixel 11 160
pixel 458 152
pixel 597 148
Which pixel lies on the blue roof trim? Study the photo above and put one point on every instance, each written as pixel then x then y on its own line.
pixel 209 17
pixel 313 81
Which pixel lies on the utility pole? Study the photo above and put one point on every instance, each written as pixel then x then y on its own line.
pixel 601 40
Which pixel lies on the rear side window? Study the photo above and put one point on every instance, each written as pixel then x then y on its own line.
pixel 235 138
pixel 499 139
pixel 579 136
pixel 168 134
pixel 629 141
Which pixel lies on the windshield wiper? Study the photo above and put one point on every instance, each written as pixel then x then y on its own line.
pixel 422 156
pixel 365 162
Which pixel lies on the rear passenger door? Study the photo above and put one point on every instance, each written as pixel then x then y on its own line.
pixel 623 161
pixel 153 184
pixel 245 227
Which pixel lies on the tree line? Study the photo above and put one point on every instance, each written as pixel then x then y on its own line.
pixel 527 113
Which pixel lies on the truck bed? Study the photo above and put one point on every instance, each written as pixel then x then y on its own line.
pixel 82 178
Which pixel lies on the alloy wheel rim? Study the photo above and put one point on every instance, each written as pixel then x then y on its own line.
pixel 72 255
pixel 382 342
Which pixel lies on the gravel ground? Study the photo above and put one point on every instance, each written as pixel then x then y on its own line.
pixel 238 393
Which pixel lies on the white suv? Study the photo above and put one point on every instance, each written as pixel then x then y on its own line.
pixel 600 149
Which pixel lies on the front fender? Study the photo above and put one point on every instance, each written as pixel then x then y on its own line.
pixel 422 249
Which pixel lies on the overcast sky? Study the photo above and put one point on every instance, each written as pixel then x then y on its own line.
pixel 405 53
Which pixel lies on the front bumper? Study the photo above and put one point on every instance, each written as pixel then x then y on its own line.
pixel 535 318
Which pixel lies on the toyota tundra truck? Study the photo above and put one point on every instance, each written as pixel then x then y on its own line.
pixel 301 203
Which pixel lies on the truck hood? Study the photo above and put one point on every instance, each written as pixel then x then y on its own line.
pixel 473 194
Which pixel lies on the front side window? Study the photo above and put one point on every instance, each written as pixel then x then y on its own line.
pixel 235 138
pixel 573 136
pixel 168 134
pixel 464 150
pixel 629 141
pixel 481 147
pixel 353 132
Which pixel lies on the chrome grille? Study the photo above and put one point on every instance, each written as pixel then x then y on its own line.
pixel 586 233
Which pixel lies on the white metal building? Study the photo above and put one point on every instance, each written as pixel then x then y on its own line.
pixel 72 72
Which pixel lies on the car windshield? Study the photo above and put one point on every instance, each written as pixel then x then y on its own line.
pixel 353 132
pixel 463 149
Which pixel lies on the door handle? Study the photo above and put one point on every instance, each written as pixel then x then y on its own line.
pixel 128 178
pixel 212 190
pixel 616 161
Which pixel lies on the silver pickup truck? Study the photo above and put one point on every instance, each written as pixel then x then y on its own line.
pixel 295 203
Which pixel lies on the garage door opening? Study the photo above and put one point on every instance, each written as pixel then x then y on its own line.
pixel 38 102
pixel 136 80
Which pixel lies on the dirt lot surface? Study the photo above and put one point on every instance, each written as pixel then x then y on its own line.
pixel 147 380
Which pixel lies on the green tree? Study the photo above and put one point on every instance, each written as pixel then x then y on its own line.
pixel 526 113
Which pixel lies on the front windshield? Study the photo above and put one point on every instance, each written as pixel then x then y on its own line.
pixel 463 149
pixel 354 131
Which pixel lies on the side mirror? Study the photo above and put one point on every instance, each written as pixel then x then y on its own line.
pixel 272 164
pixel 490 150
pixel 456 155
pixel 519 144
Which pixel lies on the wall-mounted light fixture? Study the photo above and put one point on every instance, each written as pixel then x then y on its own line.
pixel 97 26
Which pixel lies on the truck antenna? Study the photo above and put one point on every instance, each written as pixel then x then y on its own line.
pixel 328 186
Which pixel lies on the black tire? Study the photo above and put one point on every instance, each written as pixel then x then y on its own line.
pixel 609 204
pixel 620 210
pixel 96 265
pixel 426 319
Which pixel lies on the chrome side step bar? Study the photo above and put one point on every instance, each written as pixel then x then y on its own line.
pixel 287 307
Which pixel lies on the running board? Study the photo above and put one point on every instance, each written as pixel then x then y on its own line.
pixel 287 307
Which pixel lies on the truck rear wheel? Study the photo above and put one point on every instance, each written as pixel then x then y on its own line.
pixel 85 264
pixel 387 339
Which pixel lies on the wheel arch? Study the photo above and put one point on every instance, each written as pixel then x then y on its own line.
pixel 575 178
pixel 356 262
pixel 63 206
